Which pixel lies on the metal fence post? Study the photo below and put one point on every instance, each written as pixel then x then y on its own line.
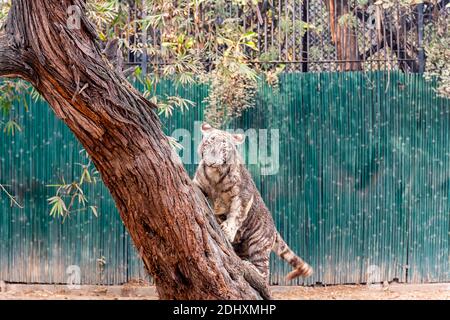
pixel 420 31
pixel 305 40
pixel 144 62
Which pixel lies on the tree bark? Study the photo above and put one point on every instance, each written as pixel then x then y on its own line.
pixel 343 36
pixel 169 221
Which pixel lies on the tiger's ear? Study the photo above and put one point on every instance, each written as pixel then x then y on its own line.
pixel 238 138
pixel 206 128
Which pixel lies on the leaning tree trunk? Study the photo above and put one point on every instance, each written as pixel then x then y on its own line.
pixel 170 223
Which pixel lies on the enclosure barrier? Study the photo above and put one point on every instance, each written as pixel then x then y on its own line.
pixel 360 188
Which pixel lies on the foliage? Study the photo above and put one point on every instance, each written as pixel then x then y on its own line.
pixel 349 20
pixel 13 93
pixel 69 194
pixel 202 48
pixel 438 54
pixel 107 16
pixel 4 9
pixel 233 82
pixel 192 41
pixel 230 94
pixel 167 104
pixel 11 197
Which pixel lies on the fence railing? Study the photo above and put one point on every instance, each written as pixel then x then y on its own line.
pixel 321 35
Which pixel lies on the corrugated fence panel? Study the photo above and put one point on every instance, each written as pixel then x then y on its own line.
pixel 356 174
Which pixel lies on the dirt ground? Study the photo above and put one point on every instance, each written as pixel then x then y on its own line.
pixel 363 292
pixel 439 291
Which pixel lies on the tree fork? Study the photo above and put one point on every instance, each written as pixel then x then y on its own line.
pixel 169 221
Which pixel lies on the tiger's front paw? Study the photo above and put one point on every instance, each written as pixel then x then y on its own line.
pixel 229 229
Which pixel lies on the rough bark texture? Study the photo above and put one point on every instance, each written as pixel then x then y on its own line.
pixel 169 221
pixel 343 36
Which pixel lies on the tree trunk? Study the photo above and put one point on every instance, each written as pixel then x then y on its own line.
pixel 169 221
pixel 343 36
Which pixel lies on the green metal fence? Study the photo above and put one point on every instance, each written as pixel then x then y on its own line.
pixel 361 189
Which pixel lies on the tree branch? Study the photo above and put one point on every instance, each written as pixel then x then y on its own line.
pixel 8 61
pixel 12 61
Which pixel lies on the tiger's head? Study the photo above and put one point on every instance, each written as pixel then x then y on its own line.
pixel 219 147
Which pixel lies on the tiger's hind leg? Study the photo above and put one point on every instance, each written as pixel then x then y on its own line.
pixel 259 249
pixel 255 256
pixel 254 277
pixel 262 264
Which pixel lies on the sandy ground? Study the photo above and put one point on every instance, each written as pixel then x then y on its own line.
pixel 138 292
pixel 363 292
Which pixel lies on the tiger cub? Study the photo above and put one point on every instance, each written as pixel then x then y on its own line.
pixel 238 205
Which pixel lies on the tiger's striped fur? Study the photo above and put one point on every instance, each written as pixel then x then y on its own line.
pixel 238 205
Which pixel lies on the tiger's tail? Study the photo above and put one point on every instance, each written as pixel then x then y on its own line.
pixel 301 268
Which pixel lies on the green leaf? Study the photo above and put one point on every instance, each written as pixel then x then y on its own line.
pixel 249 34
pixel 94 210
pixel 252 45
pixel 58 206
pixel 11 127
